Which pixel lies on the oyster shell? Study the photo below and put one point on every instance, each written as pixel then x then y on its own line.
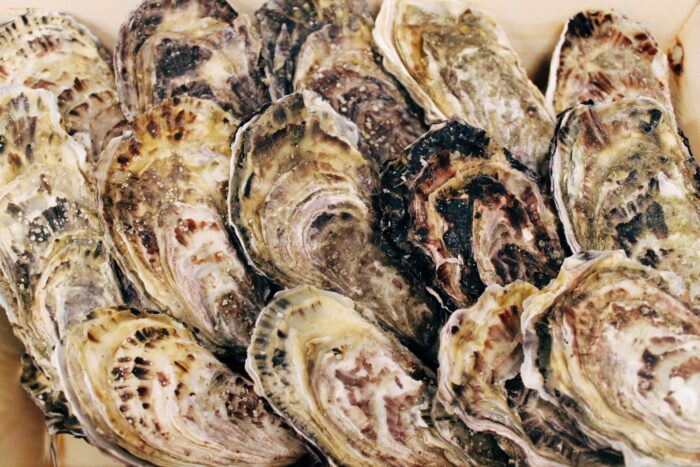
pixel 623 179
pixel 349 388
pixel 54 263
pixel 147 393
pixel 603 56
pixel 285 25
pixel 301 204
pixel 616 345
pixel 480 358
pixel 468 214
pixel 163 198
pixel 456 61
pixel 331 53
pixel 54 52
pixel 200 48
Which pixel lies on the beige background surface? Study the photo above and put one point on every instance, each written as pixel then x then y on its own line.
pixel 533 27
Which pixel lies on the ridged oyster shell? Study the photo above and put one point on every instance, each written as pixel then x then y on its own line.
pixel 479 377
pixel 460 207
pixel 301 201
pixel 457 62
pixel 349 388
pixel 52 51
pixel 199 48
pixel 163 197
pixel 623 179
pixel 147 393
pixel 603 56
pixel 616 345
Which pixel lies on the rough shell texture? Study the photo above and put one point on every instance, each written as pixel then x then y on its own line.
pixel 54 263
pixel 604 56
pixel 341 66
pixel 52 51
pixel 463 209
pixel 480 358
pixel 623 179
pixel 285 25
pixel 456 61
pixel 616 345
pixel 301 203
pixel 146 392
pixel 200 48
pixel 352 390
pixel 163 198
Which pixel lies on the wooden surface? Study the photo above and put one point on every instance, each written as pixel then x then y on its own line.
pixel 533 28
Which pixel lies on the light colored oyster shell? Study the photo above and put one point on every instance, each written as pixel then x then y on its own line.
pixel 479 378
pixel 147 393
pixel 54 52
pixel 163 198
pixel 349 388
pixel 623 179
pixel 53 259
pixel 200 48
pixel 301 203
pixel 616 345
pixel 341 66
pixel 460 209
pixel 603 56
pixel 457 62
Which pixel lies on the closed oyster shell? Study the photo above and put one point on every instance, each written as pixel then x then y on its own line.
pixel 147 393
pixel 54 263
pixel 603 56
pixel 285 25
pixel 456 61
pixel 163 198
pixel 470 215
pixel 200 48
pixel 54 52
pixel 624 179
pixel 616 345
pixel 301 203
pixel 480 358
pixel 349 388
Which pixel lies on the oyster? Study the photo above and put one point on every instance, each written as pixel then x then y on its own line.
pixel 616 345
pixel 468 214
pixel 623 179
pixel 54 52
pixel 349 388
pixel 339 63
pixel 456 61
pixel 147 393
pixel 54 263
pixel 200 48
pixel 301 203
pixel 163 198
pixel 285 25
pixel 603 56
pixel 480 358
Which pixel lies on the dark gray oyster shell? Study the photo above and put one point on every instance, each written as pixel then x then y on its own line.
pixel 479 378
pixel 199 48
pixel 623 178
pixel 301 202
pixel 457 62
pixel 163 198
pixel 616 345
pixel 54 262
pixel 148 394
pixel 603 56
pixel 462 211
pixel 54 52
pixel 349 388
